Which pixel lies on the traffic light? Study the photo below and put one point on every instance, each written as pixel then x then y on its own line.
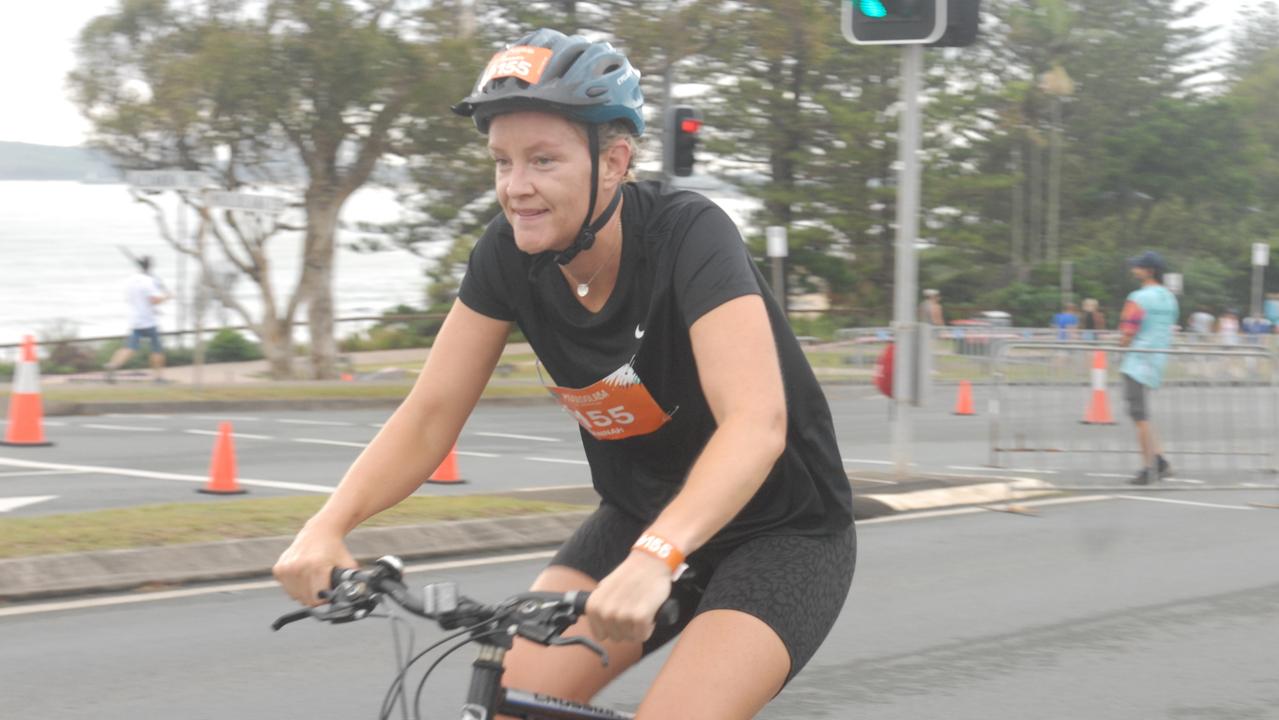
pixel 894 22
pixel 683 122
pixel 937 23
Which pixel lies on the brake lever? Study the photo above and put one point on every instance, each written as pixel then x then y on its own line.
pixel 292 617
pixel 585 642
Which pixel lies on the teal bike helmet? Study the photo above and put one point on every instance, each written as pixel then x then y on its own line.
pixel 548 71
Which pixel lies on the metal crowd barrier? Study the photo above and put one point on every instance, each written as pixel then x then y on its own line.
pixel 1060 408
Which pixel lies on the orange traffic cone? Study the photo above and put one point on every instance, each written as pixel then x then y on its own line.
pixel 26 413
pixel 222 469
pixel 1098 412
pixel 446 473
pixel 964 401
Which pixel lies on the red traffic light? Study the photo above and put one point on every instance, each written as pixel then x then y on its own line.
pixel 690 125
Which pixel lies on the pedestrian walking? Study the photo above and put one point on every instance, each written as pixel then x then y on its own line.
pixel 143 292
pixel 1149 315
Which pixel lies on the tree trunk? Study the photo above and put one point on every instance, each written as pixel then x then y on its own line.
pixel 1017 219
pixel 321 233
pixel 1054 183
pixel 276 335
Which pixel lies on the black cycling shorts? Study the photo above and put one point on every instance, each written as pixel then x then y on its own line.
pixel 1138 397
pixel 795 584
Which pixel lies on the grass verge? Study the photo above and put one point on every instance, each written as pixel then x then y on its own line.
pixel 236 519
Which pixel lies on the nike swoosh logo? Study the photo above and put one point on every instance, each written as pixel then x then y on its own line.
pixel 639 333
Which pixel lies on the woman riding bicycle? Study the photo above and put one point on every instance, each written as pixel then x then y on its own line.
pixel 708 437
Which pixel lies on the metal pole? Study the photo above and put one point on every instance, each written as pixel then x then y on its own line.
pixel 1258 283
pixel 182 273
pixel 904 310
pixel 778 249
pixel 1067 283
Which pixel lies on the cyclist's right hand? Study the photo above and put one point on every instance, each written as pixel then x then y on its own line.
pixel 305 569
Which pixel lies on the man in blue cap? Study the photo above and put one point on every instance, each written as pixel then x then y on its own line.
pixel 1147 322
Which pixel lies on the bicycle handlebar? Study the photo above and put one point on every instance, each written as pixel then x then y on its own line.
pixel 537 616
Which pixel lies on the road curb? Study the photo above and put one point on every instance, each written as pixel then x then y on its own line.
pixel 45 576
pixel 115 570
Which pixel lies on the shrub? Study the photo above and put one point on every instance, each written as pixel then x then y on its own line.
pixel 230 346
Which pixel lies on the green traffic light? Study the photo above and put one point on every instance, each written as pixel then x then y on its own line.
pixel 872 8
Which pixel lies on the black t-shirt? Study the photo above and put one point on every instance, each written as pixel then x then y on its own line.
pixel 682 256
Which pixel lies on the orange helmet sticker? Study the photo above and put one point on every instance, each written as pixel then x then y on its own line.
pixel 524 62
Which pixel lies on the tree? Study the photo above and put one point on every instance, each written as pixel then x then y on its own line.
pixel 258 94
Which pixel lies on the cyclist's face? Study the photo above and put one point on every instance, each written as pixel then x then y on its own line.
pixel 543 173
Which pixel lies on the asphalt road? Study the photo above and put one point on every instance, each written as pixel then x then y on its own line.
pixel 1143 607
pixel 126 460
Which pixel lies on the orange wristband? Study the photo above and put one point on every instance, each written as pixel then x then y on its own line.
pixel 662 550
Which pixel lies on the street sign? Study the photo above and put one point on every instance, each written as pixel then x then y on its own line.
pixel 166 179
pixel 1261 254
pixel 776 235
pixel 244 201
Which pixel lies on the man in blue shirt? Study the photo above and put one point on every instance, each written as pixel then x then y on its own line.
pixel 1147 322
pixel 1066 321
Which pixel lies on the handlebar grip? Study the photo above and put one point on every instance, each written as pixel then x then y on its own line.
pixel 667 614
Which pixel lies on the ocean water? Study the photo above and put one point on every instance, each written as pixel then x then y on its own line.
pixel 61 265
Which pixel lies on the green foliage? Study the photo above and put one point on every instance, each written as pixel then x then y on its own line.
pixel 230 346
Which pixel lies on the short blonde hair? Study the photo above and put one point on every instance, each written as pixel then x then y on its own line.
pixel 1090 305
pixel 610 133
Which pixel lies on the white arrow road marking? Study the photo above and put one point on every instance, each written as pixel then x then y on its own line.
pixel 147 474
pixel 513 436
pixel 13 503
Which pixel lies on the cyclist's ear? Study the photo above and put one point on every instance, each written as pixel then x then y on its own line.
pixel 615 161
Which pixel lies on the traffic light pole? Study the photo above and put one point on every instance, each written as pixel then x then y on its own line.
pixel 905 317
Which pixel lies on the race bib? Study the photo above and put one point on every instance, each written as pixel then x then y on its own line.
pixel 615 408
pixel 523 62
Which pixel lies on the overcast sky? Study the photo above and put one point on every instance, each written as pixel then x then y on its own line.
pixel 37 51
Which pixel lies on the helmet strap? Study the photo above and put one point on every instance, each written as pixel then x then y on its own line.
pixel 586 236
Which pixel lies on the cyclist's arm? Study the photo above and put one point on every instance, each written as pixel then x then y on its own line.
pixel 741 377
pixel 403 454
pixel 420 433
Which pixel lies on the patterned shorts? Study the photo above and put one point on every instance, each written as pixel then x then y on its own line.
pixel 795 584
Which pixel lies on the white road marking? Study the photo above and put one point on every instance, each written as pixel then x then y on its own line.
pixel 550 487
pixel 318 441
pixel 513 436
pixel 132 598
pixel 247 436
pixel 976 510
pixel 471 453
pixel 13 503
pixel 136 415
pixel 1185 502
pixel 149 475
pixel 557 460
pixel 129 428
pixel 55 423
pixel 995 469
pixel 1190 481
pixel 875 480
pixel 227 418
pixel 1107 475
pixel 31 473
pixel 376 425
pixel 860 461
pixel 331 423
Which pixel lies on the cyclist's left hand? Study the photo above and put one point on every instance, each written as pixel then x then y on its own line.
pixel 625 604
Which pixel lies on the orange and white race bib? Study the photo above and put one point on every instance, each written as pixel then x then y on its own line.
pixel 615 408
pixel 523 62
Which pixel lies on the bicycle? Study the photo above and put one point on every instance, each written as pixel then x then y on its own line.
pixel 541 617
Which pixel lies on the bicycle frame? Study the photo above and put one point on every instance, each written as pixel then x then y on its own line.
pixel 486 695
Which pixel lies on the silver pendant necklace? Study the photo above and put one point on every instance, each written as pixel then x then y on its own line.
pixel 584 288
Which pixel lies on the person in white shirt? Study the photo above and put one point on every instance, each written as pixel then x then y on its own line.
pixel 142 292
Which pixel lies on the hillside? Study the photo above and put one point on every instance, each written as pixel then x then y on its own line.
pixel 25 161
